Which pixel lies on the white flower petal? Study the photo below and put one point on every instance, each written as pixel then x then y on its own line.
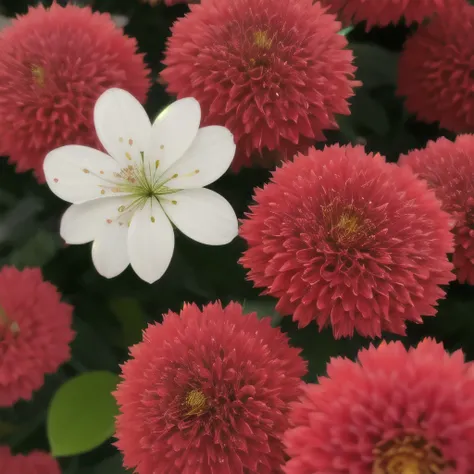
pixel 82 223
pixel 206 160
pixel 122 125
pixel 109 250
pixel 150 242
pixel 75 173
pixel 202 215
pixel 173 133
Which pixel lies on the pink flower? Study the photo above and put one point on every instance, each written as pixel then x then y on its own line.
pixel 35 332
pixel 392 411
pixel 208 392
pixel 348 240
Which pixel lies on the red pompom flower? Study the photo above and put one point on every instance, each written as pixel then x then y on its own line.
pixel 36 462
pixel 449 170
pixel 436 71
pixel 348 240
pixel 35 332
pixel 275 73
pixel 54 64
pixel 384 12
pixel 392 411
pixel 208 392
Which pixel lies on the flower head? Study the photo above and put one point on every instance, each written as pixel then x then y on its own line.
pixel 35 332
pixel 435 71
pixel 54 64
pixel 384 12
pixel 274 73
pixel 449 170
pixel 208 391
pixel 392 411
pixel 346 239
pixel 36 462
pixel 154 173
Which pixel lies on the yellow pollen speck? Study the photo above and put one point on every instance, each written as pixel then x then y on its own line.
pixel 157 164
pixel 102 192
pixel 196 171
pixel 195 403
pixel 152 219
pixel 38 75
pixel 128 156
pixel 121 208
pixel 121 139
pixel 262 40
pixel 85 170
pixel 101 172
pixel 174 202
pixel 162 147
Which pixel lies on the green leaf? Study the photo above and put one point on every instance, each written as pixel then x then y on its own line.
pixel 367 112
pixel 376 66
pixel 37 251
pixel 82 413
pixel 264 308
pixel 131 317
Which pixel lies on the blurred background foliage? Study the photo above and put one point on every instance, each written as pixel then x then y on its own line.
pixel 76 422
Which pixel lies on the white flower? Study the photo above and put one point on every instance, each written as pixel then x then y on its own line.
pixel 153 174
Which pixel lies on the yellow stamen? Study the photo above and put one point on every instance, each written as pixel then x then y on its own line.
pixel 262 40
pixel 408 455
pixel 38 75
pixel 195 402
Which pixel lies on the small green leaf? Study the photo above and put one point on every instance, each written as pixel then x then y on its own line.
pixel 376 66
pixel 82 413
pixel 131 317
pixel 264 308
pixel 346 31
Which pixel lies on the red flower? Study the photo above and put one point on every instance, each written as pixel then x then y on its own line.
pixel 36 462
pixel 208 392
pixel 35 332
pixel 449 170
pixel 436 72
pixel 384 12
pixel 275 73
pixel 54 64
pixel 392 411
pixel 346 239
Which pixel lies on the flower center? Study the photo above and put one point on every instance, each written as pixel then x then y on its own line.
pixel 408 455
pixel 7 325
pixel 38 75
pixel 262 40
pixel 195 403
